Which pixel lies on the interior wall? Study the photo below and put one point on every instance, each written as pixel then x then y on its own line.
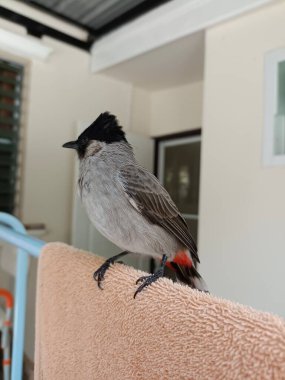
pixel 140 111
pixel 242 208
pixel 176 109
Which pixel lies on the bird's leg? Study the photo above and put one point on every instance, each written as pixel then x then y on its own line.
pixel 147 280
pixel 100 272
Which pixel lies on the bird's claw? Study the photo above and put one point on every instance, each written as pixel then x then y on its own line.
pixel 147 280
pixel 141 279
pixel 99 274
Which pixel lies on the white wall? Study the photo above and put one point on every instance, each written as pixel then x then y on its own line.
pixel 242 208
pixel 140 111
pixel 171 110
pixel 176 109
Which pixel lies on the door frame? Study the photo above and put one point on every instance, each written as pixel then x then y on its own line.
pixel 172 136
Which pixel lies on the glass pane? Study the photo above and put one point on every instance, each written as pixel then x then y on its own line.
pixel 182 175
pixel 281 88
pixel 279 122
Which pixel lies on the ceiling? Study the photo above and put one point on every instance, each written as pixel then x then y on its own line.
pixel 98 16
pixel 174 64
pixel 171 65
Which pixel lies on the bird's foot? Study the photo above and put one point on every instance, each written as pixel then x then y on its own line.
pixel 147 280
pixel 99 274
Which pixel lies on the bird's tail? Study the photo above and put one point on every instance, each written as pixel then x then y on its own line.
pixel 186 271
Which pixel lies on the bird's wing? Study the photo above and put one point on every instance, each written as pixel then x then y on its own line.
pixel 147 196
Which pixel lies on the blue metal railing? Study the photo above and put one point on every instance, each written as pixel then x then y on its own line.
pixel 13 232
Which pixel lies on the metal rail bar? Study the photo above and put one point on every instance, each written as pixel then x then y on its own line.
pixel 13 232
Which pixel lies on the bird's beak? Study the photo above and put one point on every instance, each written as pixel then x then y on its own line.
pixel 71 145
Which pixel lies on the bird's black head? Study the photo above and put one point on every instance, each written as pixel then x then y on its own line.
pixel 105 129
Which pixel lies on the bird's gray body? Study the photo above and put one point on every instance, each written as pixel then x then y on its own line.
pixel 129 206
pixel 107 175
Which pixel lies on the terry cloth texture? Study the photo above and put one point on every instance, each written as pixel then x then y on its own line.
pixel 168 332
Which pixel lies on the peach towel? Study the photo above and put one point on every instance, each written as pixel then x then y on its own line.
pixel 168 332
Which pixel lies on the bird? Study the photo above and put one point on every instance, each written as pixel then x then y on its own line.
pixel 129 206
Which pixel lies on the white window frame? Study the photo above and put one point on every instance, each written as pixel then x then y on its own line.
pixel 272 60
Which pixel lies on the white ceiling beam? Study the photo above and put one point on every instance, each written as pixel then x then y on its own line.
pixel 24 46
pixel 165 24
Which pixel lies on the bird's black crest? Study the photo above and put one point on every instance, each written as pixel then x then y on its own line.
pixel 105 128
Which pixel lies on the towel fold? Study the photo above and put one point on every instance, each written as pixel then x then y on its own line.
pixel 168 332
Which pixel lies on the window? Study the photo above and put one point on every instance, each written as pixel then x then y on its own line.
pixel 178 169
pixel 11 76
pixel 274 131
